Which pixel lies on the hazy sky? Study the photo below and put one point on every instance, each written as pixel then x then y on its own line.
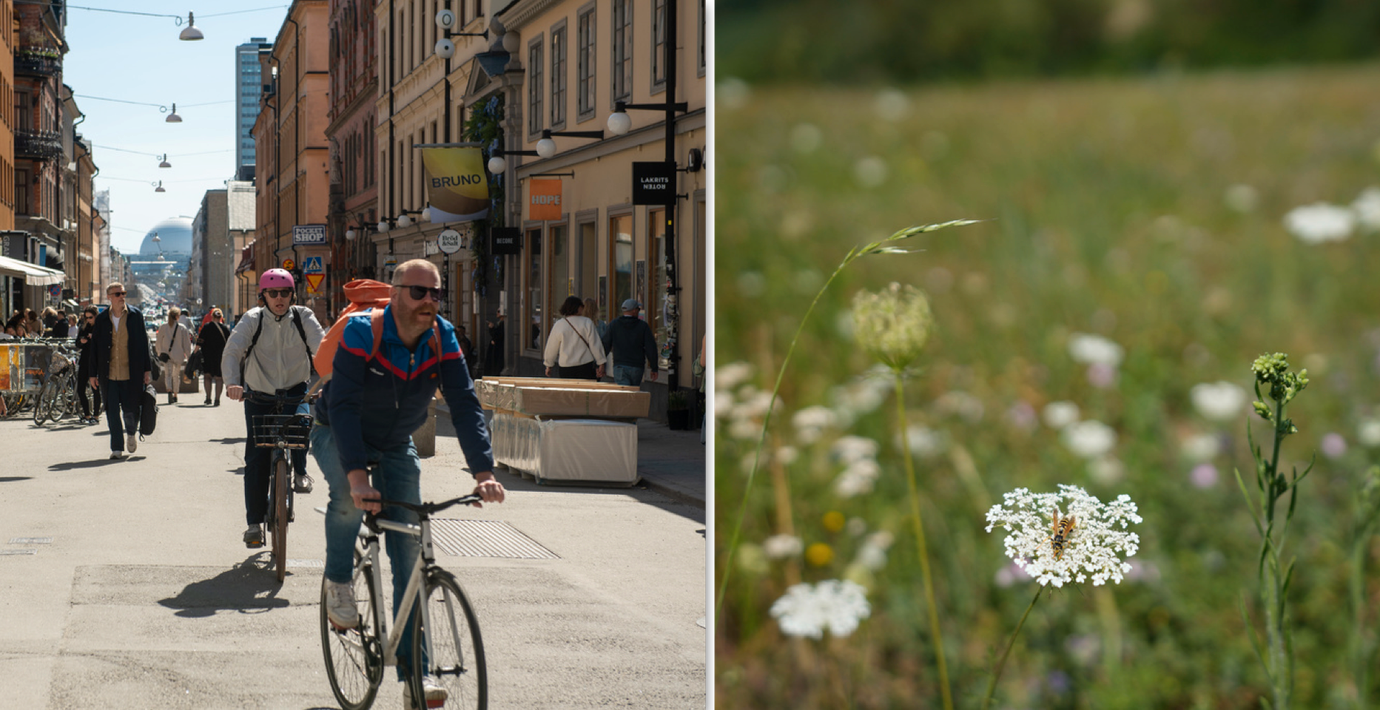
pixel 140 58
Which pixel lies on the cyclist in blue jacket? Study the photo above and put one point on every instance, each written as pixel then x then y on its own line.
pixel 367 414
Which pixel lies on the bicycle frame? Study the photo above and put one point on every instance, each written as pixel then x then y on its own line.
pixel 425 559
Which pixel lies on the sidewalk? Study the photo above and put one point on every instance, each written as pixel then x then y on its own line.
pixel 671 462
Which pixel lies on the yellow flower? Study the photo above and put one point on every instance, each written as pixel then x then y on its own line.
pixel 819 554
pixel 834 521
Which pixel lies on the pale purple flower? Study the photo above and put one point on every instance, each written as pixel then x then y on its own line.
pixel 1101 375
pixel 1204 475
pixel 1333 445
pixel 1022 416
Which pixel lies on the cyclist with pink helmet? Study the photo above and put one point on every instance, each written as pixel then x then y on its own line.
pixel 269 353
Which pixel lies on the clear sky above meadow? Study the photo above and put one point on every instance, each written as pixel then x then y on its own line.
pixel 139 58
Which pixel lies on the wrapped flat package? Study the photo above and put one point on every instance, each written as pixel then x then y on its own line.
pixel 567 450
pixel 537 396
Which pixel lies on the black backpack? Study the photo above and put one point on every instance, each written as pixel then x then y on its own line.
pixel 148 412
pixel 296 320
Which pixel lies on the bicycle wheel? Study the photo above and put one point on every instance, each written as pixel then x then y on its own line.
pixel 278 525
pixel 44 404
pixel 354 657
pixel 451 650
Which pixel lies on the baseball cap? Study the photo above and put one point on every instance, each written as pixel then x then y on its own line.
pixel 631 304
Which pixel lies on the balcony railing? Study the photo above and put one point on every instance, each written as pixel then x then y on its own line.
pixel 36 64
pixel 37 144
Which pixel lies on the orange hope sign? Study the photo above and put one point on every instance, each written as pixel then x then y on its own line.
pixel 544 198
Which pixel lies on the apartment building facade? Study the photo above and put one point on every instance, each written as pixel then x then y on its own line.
pixel 353 145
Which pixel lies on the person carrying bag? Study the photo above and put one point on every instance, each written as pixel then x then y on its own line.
pixel 573 347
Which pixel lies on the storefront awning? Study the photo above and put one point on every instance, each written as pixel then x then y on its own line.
pixel 33 274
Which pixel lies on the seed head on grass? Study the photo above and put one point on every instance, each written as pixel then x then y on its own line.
pixel 1093 548
pixel 893 324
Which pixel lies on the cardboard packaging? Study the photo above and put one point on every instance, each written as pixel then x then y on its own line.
pixel 567 450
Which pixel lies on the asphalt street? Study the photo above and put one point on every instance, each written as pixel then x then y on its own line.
pixel 124 584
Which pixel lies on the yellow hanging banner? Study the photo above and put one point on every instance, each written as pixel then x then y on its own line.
pixel 456 186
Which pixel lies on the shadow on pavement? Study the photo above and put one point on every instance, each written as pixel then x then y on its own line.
pixel 248 587
pixel 11 479
pixel 226 440
pixel 103 461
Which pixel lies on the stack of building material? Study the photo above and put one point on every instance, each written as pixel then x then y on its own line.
pixel 567 431
pixel 549 398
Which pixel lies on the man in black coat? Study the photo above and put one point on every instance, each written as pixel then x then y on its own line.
pixel 629 339
pixel 122 372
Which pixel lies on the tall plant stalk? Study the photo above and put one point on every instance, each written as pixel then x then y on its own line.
pixel 1273 486
pixel 918 523
pixel 1001 662
pixel 885 246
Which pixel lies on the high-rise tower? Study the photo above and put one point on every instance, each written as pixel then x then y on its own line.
pixel 248 85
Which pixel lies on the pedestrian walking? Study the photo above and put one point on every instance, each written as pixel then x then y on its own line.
pixel 270 352
pixel 572 347
pixel 62 328
pixel 591 312
pixel 174 347
pixel 466 348
pixel 32 324
pixel 121 368
pixel 86 366
pixel 630 340
pixel 493 357
pixel 211 341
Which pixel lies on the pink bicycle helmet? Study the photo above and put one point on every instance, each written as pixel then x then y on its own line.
pixel 276 278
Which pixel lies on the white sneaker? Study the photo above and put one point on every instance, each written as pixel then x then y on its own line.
pixel 340 604
pixel 432 690
pixel 116 455
pixel 301 483
pixel 131 443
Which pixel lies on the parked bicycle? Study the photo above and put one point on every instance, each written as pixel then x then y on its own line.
pixel 446 644
pixel 282 433
pixel 58 398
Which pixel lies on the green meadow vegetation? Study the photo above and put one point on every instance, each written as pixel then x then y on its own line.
pixel 1146 215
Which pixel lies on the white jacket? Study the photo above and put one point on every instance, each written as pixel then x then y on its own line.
pixel 564 346
pixel 280 360
pixel 174 340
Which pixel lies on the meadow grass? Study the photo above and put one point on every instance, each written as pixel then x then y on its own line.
pixel 1106 214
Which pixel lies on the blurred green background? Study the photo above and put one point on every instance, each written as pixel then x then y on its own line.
pixel 1134 187
pixel 826 40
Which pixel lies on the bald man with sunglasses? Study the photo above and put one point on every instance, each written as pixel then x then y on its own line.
pixel 367 413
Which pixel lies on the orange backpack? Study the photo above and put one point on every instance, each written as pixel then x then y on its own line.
pixel 364 294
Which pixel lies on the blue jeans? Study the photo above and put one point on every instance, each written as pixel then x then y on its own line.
pixel 123 397
pixel 398 477
pixel 256 459
pixel 624 375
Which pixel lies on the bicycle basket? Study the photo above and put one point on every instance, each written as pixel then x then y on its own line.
pixel 288 431
pixel 57 363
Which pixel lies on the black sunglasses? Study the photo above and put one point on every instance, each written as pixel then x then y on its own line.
pixel 118 294
pixel 277 292
pixel 420 292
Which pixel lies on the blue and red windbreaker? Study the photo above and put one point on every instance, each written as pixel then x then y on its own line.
pixel 380 402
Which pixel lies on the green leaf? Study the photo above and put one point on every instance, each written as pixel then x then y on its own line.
pixel 1249 508
pixel 1284 590
pixel 1254 639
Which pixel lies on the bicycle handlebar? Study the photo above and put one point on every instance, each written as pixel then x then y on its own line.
pixel 426 508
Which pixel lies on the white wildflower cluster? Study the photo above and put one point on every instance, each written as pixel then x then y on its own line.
pixel 858 455
pixel 811 422
pixel 872 554
pixel 923 441
pixel 782 546
pixel 1320 223
pixel 738 403
pixel 808 610
pixel 1219 401
pixel 1089 439
pixel 893 324
pixel 1094 548
pixel 1095 350
pixel 1058 415
pixel 1368 432
pixel 862 396
pixel 1367 209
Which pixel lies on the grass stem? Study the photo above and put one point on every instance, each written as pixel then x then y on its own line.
pixel 1001 662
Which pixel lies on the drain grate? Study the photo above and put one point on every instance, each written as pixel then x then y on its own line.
pixel 305 563
pixel 18 552
pixel 31 541
pixel 486 538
